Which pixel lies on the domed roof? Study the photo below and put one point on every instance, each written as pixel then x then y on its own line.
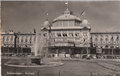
pixel 85 22
pixel 46 23
pixel 67 16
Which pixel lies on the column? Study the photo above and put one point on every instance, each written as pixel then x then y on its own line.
pixel 81 53
pixel 65 52
pixel 69 52
pixel 57 52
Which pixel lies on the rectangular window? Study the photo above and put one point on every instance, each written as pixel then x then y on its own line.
pixel 71 23
pixel 11 38
pixel 65 23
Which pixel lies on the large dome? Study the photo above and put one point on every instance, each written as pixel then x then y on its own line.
pixel 67 16
pixel 46 23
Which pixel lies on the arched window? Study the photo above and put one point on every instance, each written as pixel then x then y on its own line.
pixel 106 39
pixel 101 39
pixel 96 39
pixel 112 38
pixel 71 35
pixel 64 34
pixel 76 34
pixel 30 39
pixel 3 38
pixel 101 46
pixel 26 39
pixel 21 39
pixel 117 38
pixel 7 38
pixel 45 34
pixel 58 34
pixel 106 46
pixel 11 38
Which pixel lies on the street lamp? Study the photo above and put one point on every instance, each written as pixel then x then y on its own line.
pixel 112 46
pixel 112 52
pixel 49 35
pixel 16 42
pixel 86 47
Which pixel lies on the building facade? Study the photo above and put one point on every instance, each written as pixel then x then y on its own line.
pixel 107 42
pixel 17 43
pixel 66 36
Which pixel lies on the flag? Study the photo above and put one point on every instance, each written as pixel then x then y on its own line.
pixel 66 3
pixel 83 13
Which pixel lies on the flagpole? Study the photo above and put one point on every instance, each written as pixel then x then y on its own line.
pixel 47 15
pixel 83 14
pixel 66 4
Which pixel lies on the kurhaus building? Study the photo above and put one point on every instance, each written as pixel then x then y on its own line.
pixel 66 36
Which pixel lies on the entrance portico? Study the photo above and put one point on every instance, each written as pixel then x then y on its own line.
pixel 62 49
pixel 69 51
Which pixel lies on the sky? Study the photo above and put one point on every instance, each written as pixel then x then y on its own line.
pixel 24 16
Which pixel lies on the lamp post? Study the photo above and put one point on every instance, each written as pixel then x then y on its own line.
pixel 49 33
pixel 91 45
pixel 112 47
pixel 16 43
pixel 86 47
pixel 2 50
pixel 112 51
